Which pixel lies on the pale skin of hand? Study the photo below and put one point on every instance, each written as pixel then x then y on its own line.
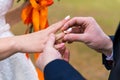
pixel 14 15
pixel 50 53
pixel 90 33
pixel 33 42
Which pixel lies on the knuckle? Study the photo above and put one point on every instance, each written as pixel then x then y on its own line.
pixel 91 19
pixel 75 18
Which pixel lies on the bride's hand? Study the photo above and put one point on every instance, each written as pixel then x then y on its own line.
pixel 36 41
pixel 50 53
pixel 33 42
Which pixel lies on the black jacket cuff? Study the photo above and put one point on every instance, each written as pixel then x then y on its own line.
pixel 107 63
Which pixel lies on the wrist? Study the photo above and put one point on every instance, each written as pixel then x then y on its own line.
pixel 108 46
pixel 12 45
pixel 17 45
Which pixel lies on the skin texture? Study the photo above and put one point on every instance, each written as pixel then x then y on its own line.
pixel 33 42
pixel 86 30
pixel 50 53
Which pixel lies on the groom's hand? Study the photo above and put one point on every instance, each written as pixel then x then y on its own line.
pixel 86 30
pixel 50 53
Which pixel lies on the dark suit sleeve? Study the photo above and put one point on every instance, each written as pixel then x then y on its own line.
pixel 107 63
pixel 61 70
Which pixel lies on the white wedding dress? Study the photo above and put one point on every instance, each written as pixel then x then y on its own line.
pixel 16 67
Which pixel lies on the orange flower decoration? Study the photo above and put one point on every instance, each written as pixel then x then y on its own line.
pixel 36 13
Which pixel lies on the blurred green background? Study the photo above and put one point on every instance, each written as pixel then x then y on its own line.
pixel 84 59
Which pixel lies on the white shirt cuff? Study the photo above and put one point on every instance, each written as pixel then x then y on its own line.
pixel 110 57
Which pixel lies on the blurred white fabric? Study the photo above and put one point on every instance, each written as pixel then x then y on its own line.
pixel 16 67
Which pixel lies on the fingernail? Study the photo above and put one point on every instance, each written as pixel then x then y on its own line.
pixel 67 17
pixel 68 30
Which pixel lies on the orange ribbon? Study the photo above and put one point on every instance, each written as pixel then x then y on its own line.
pixel 36 13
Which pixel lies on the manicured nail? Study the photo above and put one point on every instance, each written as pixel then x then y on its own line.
pixel 68 30
pixel 67 17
